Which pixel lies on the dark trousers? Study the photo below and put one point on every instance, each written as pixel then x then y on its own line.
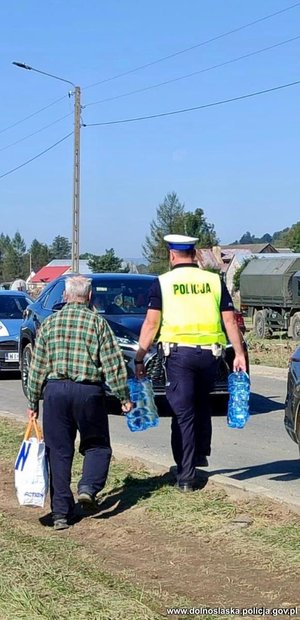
pixel 68 407
pixel 190 376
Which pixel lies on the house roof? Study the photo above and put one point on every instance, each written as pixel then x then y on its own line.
pixel 67 263
pixel 255 248
pixel 207 257
pixel 49 273
pixel 240 256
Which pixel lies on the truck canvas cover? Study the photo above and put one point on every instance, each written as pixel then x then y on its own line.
pixel 268 281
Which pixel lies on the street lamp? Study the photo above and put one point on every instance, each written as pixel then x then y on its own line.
pixel 76 165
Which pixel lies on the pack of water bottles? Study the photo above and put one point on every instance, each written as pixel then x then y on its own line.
pixel 238 405
pixel 144 413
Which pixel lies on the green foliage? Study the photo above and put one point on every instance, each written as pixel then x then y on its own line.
pixel 85 256
pixel 106 263
pixel 287 237
pixel 60 248
pixel 171 218
pixel 4 245
pixel 293 237
pixel 13 261
pixel 195 225
pixel 239 271
pixel 40 255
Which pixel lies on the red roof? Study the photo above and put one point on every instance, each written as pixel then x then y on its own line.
pixel 47 274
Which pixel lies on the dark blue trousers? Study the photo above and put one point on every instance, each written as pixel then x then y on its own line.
pixel 70 407
pixel 190 376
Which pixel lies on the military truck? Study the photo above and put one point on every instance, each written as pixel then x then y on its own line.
pixel 270 293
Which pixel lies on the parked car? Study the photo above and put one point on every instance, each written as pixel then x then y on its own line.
pixel 122 300
pixel 292 403
pixel 12 306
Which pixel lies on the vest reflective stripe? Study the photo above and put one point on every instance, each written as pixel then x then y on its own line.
pixel 191 307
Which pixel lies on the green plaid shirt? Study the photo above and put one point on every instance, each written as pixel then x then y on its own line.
pixel 78 344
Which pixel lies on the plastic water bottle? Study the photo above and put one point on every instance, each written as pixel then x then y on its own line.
pixel 238 405
pixel 144 413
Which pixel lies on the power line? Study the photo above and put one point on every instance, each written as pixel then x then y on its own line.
pixel 199 107
pixel 35 132
pixel 188 75
pixel 36 156
pixel 197 45
pixel 33 114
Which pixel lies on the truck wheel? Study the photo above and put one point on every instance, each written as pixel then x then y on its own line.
pixel 260 329
pixel 295 326
pixel 25 364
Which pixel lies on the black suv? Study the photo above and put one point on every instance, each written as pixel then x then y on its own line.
pixel 122 300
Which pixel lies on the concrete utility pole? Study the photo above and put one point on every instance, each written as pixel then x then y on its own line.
pixel 76 166
pixel 76 183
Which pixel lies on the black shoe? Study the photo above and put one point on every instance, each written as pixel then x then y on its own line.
pixel 201 461
pixel 60 523
pixel 89 500
pixel 185 487
pixel 85 498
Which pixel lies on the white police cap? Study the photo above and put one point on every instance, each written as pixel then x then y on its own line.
pixel 180 242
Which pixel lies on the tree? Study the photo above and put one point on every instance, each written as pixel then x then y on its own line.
pixel 14 266
pixel 106 263
pixel 18 244
pixel 169 220
pixel 5 243
pixel 85 256
pixel 60 248
pixel 40 255
pixel 195 225
pixel 266 238
pixel 14 263
pixel 247 238
pixel 239 271
pixel 293 237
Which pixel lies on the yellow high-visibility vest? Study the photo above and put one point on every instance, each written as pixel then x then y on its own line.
pixel 191 307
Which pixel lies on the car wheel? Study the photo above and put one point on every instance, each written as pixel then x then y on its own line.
pixel 25 365
pixel 260 328
pixel 295 326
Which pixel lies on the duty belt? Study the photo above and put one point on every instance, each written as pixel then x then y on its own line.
pixel 215 348
pixel 209 347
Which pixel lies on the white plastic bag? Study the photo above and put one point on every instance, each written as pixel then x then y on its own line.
pixel 31 468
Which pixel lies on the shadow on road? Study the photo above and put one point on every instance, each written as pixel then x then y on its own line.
pixel 135 489
pixel 264 404
pixel 258 404
pixel 9 375
pixel 283 471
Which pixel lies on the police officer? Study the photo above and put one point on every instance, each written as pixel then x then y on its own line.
pixel 186 308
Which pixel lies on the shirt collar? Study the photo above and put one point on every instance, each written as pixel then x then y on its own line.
pixel 185 265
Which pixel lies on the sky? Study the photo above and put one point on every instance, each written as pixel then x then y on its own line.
pixel 239 161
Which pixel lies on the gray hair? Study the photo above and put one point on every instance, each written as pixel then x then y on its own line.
pixel 78 287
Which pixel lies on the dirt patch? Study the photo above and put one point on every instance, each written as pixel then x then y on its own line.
pixel 222 567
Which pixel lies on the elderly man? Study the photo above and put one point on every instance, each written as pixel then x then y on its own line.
pixel 187 307
pixel 75 353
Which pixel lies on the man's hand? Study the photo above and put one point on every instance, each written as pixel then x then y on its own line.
pixel 236 339
pixel 32 415
pixel 126 407
pixel 140 371
pixel 239 363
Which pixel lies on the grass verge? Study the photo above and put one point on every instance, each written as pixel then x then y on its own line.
pixel 274 351
pixel 47 576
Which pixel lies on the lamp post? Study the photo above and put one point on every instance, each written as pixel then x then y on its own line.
pixel 76 164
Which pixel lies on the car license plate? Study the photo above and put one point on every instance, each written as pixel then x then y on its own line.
pixel 11 357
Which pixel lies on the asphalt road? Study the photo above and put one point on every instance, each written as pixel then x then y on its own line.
pixel 261 457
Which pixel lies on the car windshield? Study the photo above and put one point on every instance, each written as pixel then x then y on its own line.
pixel 12 306
pixel 119 297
